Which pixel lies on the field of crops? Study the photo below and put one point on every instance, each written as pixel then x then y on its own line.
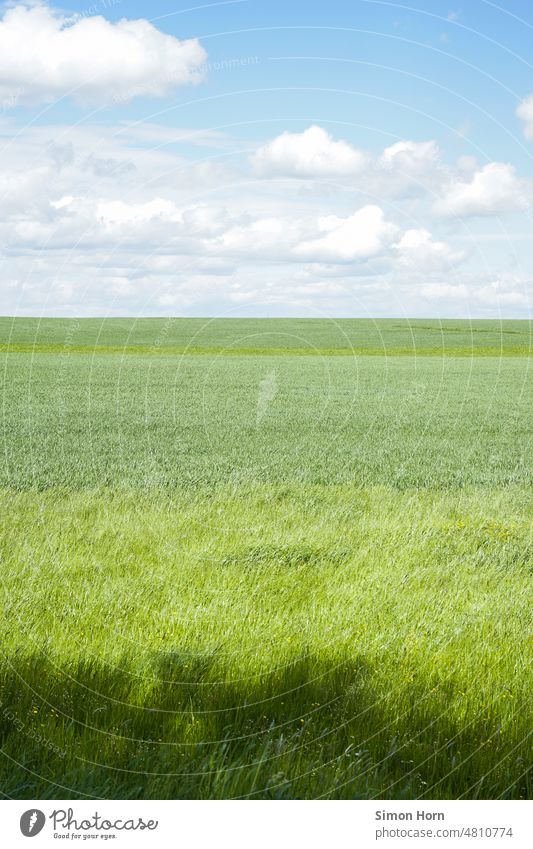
pixel 266 558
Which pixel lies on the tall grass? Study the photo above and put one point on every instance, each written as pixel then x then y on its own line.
pixel 295 641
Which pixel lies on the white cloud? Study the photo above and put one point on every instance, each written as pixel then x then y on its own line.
pixel 267 238
pixel 45 54
pixel 492 190
pixel 312 153
pixel 404 169
pixel 525 112
pixel 418 249
pixel 407 169
pixel 360 236
pixel 410 157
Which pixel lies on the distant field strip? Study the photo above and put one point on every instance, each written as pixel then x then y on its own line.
pixel 257 336
pixel 97 350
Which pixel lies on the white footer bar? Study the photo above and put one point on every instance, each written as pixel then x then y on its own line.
pixel 268 824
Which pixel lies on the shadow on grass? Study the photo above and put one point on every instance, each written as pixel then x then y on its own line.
pixel 188 727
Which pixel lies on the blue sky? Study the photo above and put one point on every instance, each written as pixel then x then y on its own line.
pixel 266 158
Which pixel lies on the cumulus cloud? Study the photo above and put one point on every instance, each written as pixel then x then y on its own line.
pixel 45 54
pixel 418 249
pixel 312 153
pixel 407 169
pixel 492 190
pixel 404 169
pixel 359 236
pixel 525 112
pixel 221 232
pixel 410 157
pixel 266 238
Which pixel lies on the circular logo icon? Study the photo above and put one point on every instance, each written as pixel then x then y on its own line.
pixel 32 822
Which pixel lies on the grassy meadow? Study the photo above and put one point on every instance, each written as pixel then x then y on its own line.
pixel 265 558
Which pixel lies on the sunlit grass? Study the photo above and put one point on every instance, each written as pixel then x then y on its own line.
pixel 293 641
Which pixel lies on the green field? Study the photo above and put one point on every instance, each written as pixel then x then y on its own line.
pixel 266 558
